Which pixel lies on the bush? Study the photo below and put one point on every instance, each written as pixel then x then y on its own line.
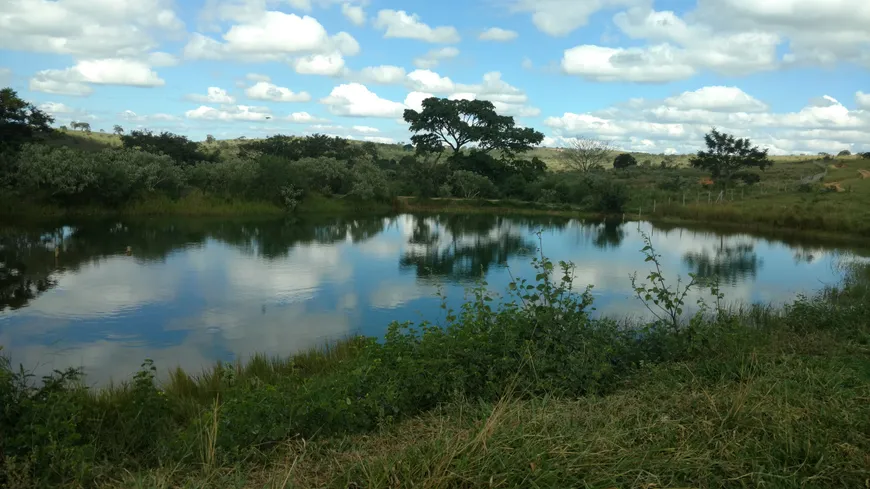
pixel 845 152
pixel 625 160
pixel 110 176
pixel 177 147
pixel 612 197
pixel 369 182
pixel 470 185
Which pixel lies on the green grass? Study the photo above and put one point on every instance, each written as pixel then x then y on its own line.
pixel 527 393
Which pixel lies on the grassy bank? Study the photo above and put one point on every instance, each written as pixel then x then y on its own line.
pixel 837 215
pixel 194 204
pixel 524 390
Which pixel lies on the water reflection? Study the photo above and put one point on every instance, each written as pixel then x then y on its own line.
pixel 195 290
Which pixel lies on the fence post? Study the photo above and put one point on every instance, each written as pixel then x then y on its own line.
pixel 654 207
pixel 684 199
pixel 709 196
pixel 639 213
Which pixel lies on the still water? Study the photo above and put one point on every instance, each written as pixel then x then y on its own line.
pixel 104 295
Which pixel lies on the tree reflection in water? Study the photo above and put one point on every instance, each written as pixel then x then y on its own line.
pixel 731 263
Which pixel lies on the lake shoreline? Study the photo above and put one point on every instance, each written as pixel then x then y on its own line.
pixel 319 407
pixel 770 228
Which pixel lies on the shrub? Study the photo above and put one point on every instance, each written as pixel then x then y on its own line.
pixel 845 152
pixel 110 176
pixel 177 147
pixel 625 160
pixel 612 197
pixel 470 185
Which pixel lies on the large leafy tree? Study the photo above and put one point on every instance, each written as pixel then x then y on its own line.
pixel 727 155
pixel 463 123
pixel 20 121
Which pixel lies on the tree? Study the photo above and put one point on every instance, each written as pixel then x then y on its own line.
pixel 179 148
pixel 586 154
pixel 118 130
pixel 209 139
pixel 845 152
pixel 866 155
pixel 625 160
pixel 727 155
pixel 20 121
pixel 461 123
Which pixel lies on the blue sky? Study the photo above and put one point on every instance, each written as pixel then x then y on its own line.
pixel 646 75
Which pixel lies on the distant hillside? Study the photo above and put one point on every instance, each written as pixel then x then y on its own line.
pixel 550 156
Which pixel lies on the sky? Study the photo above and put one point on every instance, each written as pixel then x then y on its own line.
pixel 645 75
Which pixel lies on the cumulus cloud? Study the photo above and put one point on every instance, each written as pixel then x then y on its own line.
pixel 680 122
pixel 229 113
pixel 268 91
pixel 320 64
pixel 400 24
pixel 214 95
pixel 507 99
pixel 863 100
pixel 716 99
pixel 129 115
pixel 354 13
pixel 304 118
pixel 383 74
pixel 561 17
pixel 112 71
pixel 498 34
pixel 271 36
pixel 256 77
pixel 356 100
pixel 98 29
pixel 433 57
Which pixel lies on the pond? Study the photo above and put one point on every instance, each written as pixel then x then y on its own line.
pixel 106 294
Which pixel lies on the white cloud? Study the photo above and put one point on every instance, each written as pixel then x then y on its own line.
pixel 366 129
pixel 498 34
pixel 717 99
pixel 818 33
pixel 96 29
pixel 320 64
pixel 379 139
pixel 863 100
pixel 400 24
pixel 680 123
pixel 112 71
pixel 429 81
pixel 354 13
pixel 256 77
pixel 271 36
pixel 383 75
pixel 356 100
pixel 656 64
pixel 268 91
pixel 129 115
pixel 561 17
pixel 5 76
pixel 433 57
pixel 229 113
pixel 214 95
pixel 56 108
pixel 414 101
pixel 507 99
pixel 303 118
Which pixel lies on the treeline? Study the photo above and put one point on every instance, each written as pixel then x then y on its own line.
pixel 485 161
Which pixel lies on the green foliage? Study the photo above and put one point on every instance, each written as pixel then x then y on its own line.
pixel 470 185
pixel 110 176
pixel 727 155
pixel 458 123
pixel 845 152
pixel 177 147
pixel 20 122
pixel 612 197
pixel 624 160
pixel 118 130
pixel 314 146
